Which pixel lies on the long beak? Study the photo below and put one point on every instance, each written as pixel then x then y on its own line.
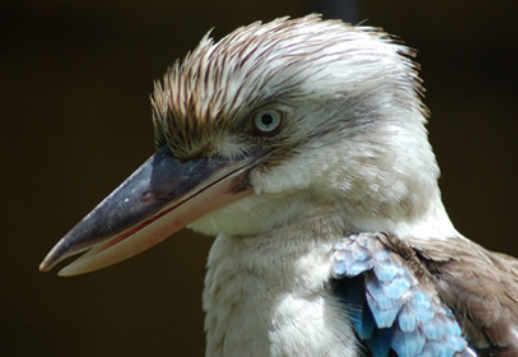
pixel 162 196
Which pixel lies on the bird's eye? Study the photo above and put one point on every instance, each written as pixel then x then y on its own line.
pixel 267 121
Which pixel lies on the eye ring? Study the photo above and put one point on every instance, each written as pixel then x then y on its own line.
pixel 267 122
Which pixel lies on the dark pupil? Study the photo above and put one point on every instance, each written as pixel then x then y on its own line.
pixel 267 119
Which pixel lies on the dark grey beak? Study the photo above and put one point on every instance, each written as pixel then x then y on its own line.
pixel 162 196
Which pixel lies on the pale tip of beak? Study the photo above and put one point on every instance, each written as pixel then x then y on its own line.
pixel 45 265
pixel 42 267
pixel 54 257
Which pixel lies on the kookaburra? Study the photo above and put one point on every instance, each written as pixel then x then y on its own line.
pixel 301 144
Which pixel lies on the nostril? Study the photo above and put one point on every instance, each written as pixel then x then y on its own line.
pixel 148 196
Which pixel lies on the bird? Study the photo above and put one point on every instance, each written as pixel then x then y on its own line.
pixel 301 144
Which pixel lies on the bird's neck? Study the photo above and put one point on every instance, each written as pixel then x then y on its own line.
pixel 429 222
pixel 261 291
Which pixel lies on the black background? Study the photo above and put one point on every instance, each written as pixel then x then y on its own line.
pixel 76 79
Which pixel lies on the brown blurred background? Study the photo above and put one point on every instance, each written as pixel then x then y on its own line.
pixel 77 77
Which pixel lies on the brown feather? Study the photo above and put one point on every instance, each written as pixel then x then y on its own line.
pixel 480 286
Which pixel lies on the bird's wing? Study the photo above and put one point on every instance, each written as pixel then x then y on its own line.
pixel 481 288
pixel 391 300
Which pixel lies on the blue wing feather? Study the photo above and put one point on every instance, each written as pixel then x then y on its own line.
pixel 379 344
pixel 388 308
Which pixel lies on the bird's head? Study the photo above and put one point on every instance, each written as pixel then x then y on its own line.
pixel 275 122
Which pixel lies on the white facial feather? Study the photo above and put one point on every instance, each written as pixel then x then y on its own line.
pixel 354 122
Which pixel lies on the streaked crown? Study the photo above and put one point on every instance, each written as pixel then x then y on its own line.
pixel 217 86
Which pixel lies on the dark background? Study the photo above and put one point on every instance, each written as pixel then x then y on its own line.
pixel 76 79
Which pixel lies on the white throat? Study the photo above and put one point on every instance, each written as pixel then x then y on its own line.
pixel 260 293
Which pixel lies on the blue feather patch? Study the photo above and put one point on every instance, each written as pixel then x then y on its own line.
pixel 389 309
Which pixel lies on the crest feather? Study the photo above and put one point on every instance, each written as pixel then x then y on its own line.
pixel 218 83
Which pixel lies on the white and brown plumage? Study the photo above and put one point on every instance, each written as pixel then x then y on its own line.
pixel 283 139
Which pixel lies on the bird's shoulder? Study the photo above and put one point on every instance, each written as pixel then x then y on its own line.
pixel 414 297
pixel 480 286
